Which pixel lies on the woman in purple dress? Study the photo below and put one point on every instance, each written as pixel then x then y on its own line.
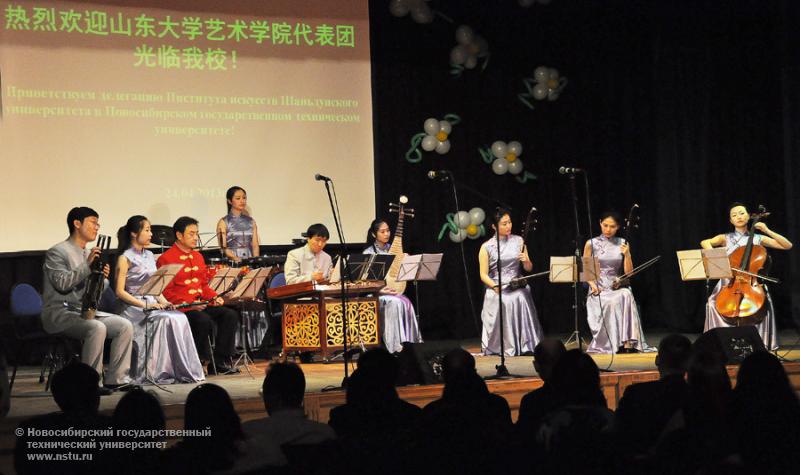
pixel 521 329
pixel 162 338
pixel 739 218
pixel 398 318
pixel 612 312
pixel 238 235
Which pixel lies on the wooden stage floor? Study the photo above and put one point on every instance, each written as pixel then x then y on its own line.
pixel 29 398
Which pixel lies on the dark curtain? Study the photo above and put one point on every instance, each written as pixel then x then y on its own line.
pixel 682 107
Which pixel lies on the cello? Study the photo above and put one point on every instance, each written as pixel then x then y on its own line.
pixel 742 299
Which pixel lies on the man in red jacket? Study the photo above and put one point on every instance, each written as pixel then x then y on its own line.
pixel 191 284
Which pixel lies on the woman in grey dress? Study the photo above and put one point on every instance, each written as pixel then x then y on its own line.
pixel 399 320
pixel 612 312
pixel 238 236
pixel 169 352
pixel 739 218
pixel 521 329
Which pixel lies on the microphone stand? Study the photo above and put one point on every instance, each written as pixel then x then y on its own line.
pixel 345 271
pixel 576 334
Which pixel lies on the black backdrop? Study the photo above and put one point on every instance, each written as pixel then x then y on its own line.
pixel 680 106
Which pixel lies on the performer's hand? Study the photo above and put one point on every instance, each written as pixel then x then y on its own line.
pixel 389 291
pixel 317 276
pixel 594 289
pixel 93 254
pixel 106 271
pixel 523 257
pixel 219 301
pixel 761 227
pixel 625 249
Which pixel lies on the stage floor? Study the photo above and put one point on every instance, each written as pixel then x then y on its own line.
pixel 29 397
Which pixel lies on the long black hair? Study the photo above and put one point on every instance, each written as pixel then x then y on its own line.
pixel 229 195
pixel 134 225
pixel 372 233
pixel 498 215
pixel 613 215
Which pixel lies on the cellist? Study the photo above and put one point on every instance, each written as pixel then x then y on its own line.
pixel 739 218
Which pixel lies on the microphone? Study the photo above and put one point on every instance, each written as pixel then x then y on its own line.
pixel 569 171
pixel 439 175
pixel 319 177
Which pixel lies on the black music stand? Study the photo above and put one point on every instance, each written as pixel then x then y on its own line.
pixel 224 279
pixel 568 270
pixel 419 267
pixel 153 287
pixel 378 266
pixel 248 290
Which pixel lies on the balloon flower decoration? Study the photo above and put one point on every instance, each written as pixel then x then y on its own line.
pixel 528 3
pixel 545 84
pixel 468 50
pixel 419 10
pixel 504 158
pixel 435 137
pixel 464 224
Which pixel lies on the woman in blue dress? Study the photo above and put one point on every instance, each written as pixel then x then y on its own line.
pixel 169 352
pixel 739 218
pixel 521 328
pixel 399 320
pixel 238 235
pixel 612 312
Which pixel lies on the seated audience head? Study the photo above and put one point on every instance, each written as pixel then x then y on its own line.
pixel 75 388
pixel 709 386
pixel 82 223
pixel 461 379
pixel 374 380
pixel 209 406
pixel 317 235
pixel 186 232
pixel 139 409
pixel 673 355
pixel 284 387
pixel 546 355
pixel 576 380
pixel 762 377
pixel 457 363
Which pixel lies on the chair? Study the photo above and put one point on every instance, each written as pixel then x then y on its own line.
pixel 26 310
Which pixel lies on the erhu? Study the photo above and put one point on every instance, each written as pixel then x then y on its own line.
pixel 96 280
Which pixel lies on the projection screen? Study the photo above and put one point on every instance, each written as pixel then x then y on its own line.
pixel 156 108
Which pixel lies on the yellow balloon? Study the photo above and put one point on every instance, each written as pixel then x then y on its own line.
pixel 511 157
pixel 472 230
pixel 552 83
pixel 441 136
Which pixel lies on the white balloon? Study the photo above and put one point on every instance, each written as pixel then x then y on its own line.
pixel 422 14
pixel 445 126
pixel 540 92
pixel 541 73
pixel 462 219
pixel 443 147
pixel 515 167
pixel 553 74
pixel 458 55
pixel 398 8
pixel 515 148
pixel 429 143
pixel 552 95
pixel 499 149
pixel 500 166
pixel 464 35
pixel 476 216
pixel 431 126
pixel 471 62
pixel 458 237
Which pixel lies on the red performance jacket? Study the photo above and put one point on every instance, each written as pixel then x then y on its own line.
pixel 191 283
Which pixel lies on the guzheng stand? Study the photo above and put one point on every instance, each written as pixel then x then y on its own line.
pixel 313 320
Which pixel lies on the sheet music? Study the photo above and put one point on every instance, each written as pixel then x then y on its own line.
pixel 160 279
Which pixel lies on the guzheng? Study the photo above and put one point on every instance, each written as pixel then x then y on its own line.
pixel 307 288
